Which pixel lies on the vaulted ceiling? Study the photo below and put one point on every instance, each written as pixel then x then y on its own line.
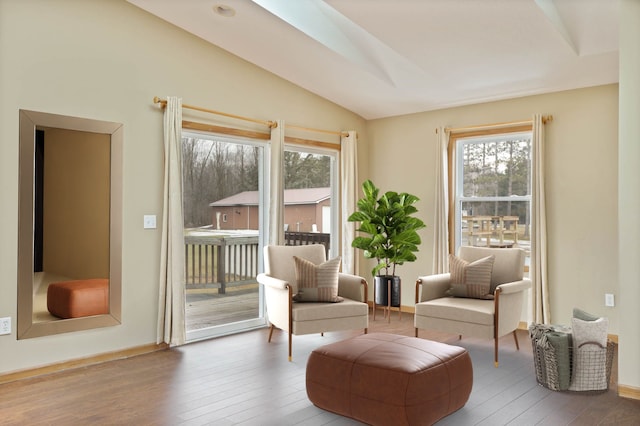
pixel 381 58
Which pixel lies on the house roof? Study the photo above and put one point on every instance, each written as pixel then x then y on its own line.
pixel 291 197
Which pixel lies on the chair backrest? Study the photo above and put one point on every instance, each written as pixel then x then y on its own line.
pixel 278 260
pixel 507 267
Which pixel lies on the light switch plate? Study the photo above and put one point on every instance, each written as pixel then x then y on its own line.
pixel 149 221
pixel 5 325
pixel 609 300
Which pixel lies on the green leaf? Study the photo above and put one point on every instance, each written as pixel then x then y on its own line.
pixel 390 225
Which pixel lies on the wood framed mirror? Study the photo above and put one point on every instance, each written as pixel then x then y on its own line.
pixel 70 216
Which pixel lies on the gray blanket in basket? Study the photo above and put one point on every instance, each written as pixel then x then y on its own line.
pixel 561 343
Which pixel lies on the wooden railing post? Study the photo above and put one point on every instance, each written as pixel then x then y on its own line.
pixel 221 269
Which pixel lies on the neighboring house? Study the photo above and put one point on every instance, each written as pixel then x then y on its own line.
pixel 305 210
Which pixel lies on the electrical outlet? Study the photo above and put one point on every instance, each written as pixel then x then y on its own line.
pixel 609 300
pixel 5 325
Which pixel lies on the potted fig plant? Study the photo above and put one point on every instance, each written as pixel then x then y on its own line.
pixel 388 233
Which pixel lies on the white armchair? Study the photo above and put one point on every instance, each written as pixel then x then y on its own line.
pixel 490 319
pixel 297 318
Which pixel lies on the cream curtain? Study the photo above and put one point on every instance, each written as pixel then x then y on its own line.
pixel 171 301
pixel 276 185
pixel 441 214
pixel 538 269
pixel 349 197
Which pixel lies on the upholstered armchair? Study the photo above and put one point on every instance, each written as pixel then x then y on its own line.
pixel 486 318
pixel 298 318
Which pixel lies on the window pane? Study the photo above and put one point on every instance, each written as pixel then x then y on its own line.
pixel 221 193
pixel 493 191
pixel 505 223
pixel 496 168
pixel 308 191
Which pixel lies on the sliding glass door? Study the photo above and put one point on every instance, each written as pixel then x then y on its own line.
pixel 223 217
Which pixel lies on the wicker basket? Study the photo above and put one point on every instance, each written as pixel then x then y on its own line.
pixel 584 369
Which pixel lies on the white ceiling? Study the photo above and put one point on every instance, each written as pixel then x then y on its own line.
pixel 382 58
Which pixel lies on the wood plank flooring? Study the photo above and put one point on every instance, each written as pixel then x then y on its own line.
pixel 243 380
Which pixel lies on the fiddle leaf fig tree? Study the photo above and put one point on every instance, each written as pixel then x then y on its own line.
pixel 389 228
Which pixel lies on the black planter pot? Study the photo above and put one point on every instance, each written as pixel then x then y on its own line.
pixel 381 283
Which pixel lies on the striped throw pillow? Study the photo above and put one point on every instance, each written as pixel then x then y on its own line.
pixel 317 283
pixel 471 279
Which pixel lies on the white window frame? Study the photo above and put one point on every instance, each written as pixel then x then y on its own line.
pixel 263 211
pixel 459 198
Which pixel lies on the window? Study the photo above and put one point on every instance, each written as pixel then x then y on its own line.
pixel 491 197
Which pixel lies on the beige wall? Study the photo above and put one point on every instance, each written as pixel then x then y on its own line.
pixel 76 203
pixel 629 200
pixel 106 60
pixel 581 183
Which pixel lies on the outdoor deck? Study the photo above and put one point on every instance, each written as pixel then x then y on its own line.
pixel 208 308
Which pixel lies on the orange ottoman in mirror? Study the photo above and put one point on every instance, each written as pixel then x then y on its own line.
pixel 78 298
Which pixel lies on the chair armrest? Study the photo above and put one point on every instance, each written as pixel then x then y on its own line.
pixel 515 286
pixel 432 286
pixel 272 282
pixel 508 305
pixel 352 287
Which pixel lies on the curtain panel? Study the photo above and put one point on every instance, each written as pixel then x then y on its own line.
pixel 349 197
pixel 538 270
pixel 276 185
pixel 441 213
pixel 171 301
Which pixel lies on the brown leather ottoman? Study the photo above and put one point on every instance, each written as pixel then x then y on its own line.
pixel 79 298
pixel 385 379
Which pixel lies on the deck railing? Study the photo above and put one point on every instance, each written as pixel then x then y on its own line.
pixel 221 261
pixel 306 238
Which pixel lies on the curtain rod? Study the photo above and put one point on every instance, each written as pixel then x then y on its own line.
pixel 330 132
pixel 193 125
pixel 270 124
pixel 545 119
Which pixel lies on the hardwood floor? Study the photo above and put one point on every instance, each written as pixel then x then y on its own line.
pixel 244 380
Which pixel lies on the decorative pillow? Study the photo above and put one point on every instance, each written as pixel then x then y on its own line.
pixel 471 279
pixel 589 331
pixel 317 283
pixel 589 354
pixel 584 316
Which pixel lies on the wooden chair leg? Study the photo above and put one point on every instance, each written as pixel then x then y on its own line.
pixel 416 331
pixel 270 333
pixel 290 339
pixel 495 352
pixel 515 337
pixel 366 330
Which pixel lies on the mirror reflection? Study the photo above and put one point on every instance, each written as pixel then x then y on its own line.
pixel 69 224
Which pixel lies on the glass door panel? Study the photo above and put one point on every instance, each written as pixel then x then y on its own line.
pixel 310 197
pixel 222 186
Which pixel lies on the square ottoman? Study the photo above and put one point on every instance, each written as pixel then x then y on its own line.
pixel 78 298
pixel 386 379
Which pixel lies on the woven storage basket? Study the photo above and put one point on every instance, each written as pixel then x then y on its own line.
pixel 549 364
